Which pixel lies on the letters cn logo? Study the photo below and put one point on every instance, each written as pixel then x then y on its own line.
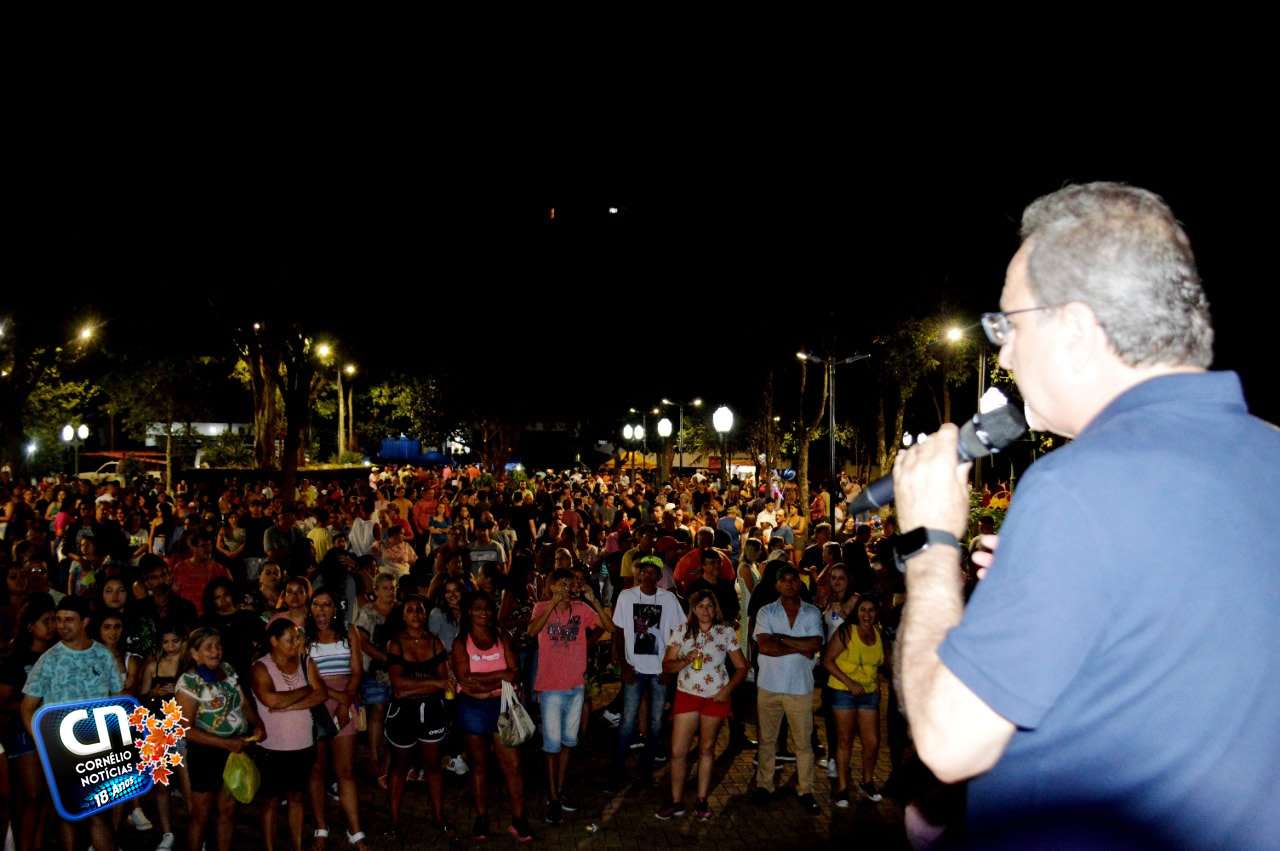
pixel 90 755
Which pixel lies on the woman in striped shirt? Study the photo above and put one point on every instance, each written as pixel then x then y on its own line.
pixel 335 648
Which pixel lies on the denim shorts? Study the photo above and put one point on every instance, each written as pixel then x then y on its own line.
pixel 477 716
pixel 561 718
pixel 372 691
pixel 842 700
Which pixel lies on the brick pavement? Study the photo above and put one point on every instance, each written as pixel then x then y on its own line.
pixel 624 820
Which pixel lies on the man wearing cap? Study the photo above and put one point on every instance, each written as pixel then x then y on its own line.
pixel 646 615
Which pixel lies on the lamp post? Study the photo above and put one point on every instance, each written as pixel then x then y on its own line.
pixel 831 364
pixel 664 431
pixel 76 437
pixel 345 437
pixel 697 403
pixel 722 420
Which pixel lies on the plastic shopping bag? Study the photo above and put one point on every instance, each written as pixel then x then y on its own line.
pixel 241 777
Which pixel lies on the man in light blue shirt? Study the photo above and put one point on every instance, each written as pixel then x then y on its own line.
pixel 789 634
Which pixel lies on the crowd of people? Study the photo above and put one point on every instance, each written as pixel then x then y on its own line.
pixel 393 611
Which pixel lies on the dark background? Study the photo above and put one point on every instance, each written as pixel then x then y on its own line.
pixel 434 249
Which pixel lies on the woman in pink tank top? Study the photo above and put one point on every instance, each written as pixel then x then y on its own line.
pixel 483 660
pixel 285 691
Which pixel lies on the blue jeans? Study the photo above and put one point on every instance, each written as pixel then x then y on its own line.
pixel 561 718
pixel 632 693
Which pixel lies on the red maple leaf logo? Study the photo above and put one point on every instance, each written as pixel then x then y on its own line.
pixel 160 774
pixel 154 724
pixel 175 758
pixel 178 732
pixel 139 717
pixel 172 712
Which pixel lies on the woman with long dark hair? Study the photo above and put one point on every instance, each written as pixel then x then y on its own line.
pixel 483 660
pixel 696 654
pixel 286 686
pixel 375 684
pixel 159 681
pixel 854 658
pixel 334 647
pixel 417 662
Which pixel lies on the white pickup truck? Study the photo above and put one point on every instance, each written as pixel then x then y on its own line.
pixel 108 472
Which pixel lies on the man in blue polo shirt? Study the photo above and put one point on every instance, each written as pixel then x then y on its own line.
pixel 789 633
pixel 1112 682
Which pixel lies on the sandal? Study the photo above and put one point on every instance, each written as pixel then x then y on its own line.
pixel 319 839
pixel 382 782
pixel 356 840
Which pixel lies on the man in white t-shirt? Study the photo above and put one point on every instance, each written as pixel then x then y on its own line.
pixel 645 615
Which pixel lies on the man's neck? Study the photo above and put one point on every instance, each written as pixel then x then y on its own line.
pixel 791 604
pixel 649 590
pixel 81 643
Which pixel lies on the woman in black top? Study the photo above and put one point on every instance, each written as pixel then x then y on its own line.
pixel 417 664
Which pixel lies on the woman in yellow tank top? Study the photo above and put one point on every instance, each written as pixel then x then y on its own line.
pixel 854 657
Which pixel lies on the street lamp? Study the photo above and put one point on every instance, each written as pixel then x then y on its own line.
pixel 722 421
pixel 831 365
pixel 324 350
pixel 76 437
pixel 697 403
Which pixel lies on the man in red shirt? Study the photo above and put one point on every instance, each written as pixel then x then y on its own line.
pixel 190 576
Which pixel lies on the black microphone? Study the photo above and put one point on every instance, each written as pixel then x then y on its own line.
pixel 981 436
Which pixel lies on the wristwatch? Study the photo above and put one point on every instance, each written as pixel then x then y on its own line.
pixel 912 543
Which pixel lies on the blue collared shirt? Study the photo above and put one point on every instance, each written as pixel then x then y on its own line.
pixel 793 673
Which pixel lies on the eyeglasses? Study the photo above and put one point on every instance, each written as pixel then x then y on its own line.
pixel 997 325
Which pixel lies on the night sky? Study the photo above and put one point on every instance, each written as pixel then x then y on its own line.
pixel 726 256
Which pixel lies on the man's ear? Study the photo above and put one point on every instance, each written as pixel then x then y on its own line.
pixel 1082 336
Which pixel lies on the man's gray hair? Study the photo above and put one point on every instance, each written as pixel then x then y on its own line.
pixel 1119 250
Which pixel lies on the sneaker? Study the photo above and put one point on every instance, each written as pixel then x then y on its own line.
pixel 842 799
pixel 333 791
pixel 166 842
pixel 831 769
pixel 786 756
pixel 480 830
pixel 554 812
pixel 662 757
pixel 673 809
pixel 809 805
pixel 614 718
pixel 139 819
pixel 869 789
pixel 520 830
pixel 419 776
pixel 639 743
pixel 702 809
pixel 569 805
pixel 458 765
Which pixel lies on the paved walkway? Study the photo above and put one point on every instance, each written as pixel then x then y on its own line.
pixel 623 820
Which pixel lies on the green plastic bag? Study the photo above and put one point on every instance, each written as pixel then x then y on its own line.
pixel 241 777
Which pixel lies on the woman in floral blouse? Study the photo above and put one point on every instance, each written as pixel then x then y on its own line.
pixel 696 653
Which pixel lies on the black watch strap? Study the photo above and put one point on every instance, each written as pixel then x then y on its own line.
pixel 919 540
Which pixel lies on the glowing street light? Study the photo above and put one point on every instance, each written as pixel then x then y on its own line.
pixel 76 437
pixel 664 427
pixel 86 332
pixel 954 334
pixel 324 350
pixel 722 420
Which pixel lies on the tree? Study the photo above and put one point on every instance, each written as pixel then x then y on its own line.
pixel 169 390
pixel 54 403
pixel 30 347
pixel 905 356
pixel 806 431
pixel 410 405
pixel 260 365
